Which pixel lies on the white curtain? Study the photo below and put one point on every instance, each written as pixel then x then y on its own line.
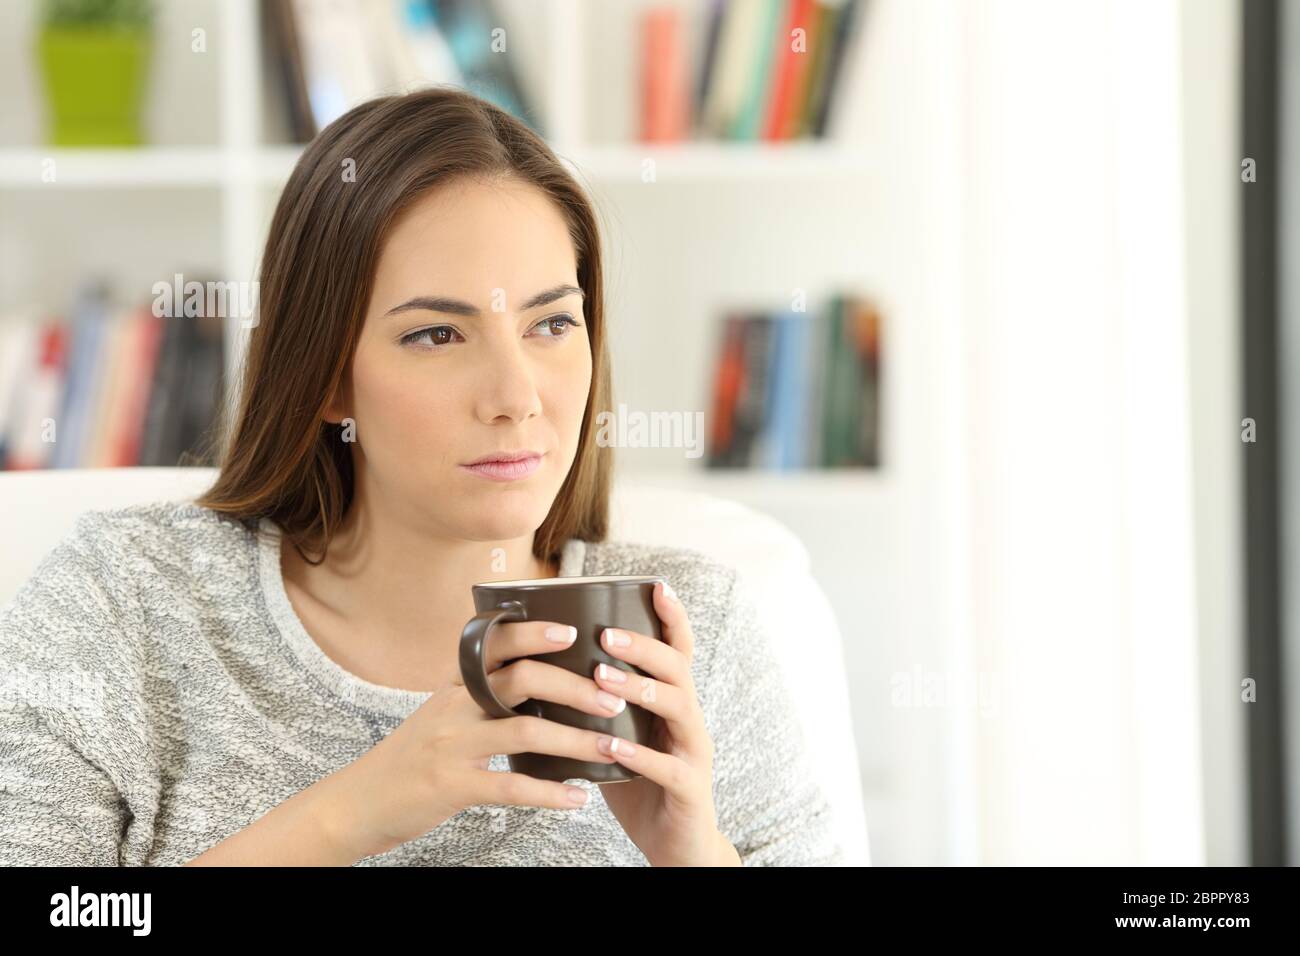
pixel 1068 516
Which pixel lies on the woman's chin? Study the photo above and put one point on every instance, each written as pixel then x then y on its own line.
pixel 504 524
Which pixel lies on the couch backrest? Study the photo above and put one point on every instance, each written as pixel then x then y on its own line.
pixel 38 508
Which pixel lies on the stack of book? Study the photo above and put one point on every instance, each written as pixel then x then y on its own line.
pixel 330 55
pixel 798 390
pixel 106 386
pixel 768 69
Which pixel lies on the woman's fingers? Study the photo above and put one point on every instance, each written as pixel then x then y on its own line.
pixel 530 678
pixel 672 616
pixel 534 735
pixel 670 772
pixel 519 789
pixel 676 705
pixel 666 687
pixel 520 638
pixel 653 656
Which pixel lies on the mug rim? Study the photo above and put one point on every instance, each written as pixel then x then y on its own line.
pixel 607 580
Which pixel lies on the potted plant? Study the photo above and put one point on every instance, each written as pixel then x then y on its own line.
pixel 94 55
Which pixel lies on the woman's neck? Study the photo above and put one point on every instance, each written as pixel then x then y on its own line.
pixel 395 595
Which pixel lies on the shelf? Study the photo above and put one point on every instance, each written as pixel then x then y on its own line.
pixel 713 161
pixel 138 167
pixel 688 162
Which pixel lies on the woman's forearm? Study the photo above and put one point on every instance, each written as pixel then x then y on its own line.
pixel 305 830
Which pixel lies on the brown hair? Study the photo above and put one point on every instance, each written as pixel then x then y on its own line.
pixel 279 458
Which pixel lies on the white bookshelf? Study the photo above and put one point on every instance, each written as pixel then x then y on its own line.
pixel 245 172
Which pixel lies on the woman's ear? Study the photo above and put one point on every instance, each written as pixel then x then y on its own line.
pixel 334 413
pixel 337 409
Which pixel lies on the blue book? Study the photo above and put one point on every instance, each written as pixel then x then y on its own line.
pixel 789 390
pixel 89 318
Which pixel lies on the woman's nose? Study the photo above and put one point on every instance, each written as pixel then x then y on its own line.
pixel 506 385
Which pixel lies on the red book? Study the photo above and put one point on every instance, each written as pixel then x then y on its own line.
pixel 141 361
pixel 790 71
pixel 728 384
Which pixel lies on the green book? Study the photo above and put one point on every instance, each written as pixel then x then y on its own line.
pixel 749 119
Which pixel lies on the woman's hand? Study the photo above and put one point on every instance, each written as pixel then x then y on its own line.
pixel 668 811
pixel 435 763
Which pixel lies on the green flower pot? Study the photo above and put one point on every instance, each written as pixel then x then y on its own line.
pixel 94 83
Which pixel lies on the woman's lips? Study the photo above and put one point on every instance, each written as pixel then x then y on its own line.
pixel 506 470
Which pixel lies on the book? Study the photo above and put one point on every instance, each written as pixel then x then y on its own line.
pixel 765 40
pixel 772 69
pixel 866 336
pixel 728 72
pixel 728 381
pixel 84 374
pixel 665 99
pixel 797 390
pixel 754 402
pixel 285 60
pixel 790 71
pixel 822 31
pixel 714 21
pixel 131 396
pixel 19 349
pixel 845 22
pixel 38 401
pixel 106 407
pixel 107 386
pixel 790 391
pixel 468 26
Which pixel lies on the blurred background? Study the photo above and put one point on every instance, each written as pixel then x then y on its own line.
pixel 986 301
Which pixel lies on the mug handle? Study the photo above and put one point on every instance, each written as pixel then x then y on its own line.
pixel 473 666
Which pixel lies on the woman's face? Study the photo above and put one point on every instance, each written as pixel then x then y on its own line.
pixel 434 385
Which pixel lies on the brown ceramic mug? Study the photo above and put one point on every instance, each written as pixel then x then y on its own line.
pixel 590 604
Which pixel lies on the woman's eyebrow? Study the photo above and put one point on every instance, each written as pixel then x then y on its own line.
pixel 434 303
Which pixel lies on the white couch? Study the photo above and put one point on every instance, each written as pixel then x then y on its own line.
pixel 37 508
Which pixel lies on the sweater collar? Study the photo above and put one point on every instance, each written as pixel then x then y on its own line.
pixel 393 701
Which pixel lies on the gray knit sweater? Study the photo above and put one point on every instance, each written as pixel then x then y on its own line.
pixel 160 693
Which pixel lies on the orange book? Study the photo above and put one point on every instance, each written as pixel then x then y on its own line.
pixel 665 98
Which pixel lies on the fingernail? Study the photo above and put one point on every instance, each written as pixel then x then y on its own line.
pixel 562 633
pixel 577 796
pixel 612 674
pixel 611 703
pixel 616 638
pixel 668 590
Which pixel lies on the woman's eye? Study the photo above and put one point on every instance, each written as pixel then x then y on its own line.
pixel 549 323
pixel 411 337
pixel 435 342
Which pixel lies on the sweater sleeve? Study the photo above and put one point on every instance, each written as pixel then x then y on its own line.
pixel 768 804
pixel 69 710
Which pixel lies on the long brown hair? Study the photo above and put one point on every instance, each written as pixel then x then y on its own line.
pixel 279 458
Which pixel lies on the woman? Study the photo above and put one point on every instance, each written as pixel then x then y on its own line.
pixel 270 672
